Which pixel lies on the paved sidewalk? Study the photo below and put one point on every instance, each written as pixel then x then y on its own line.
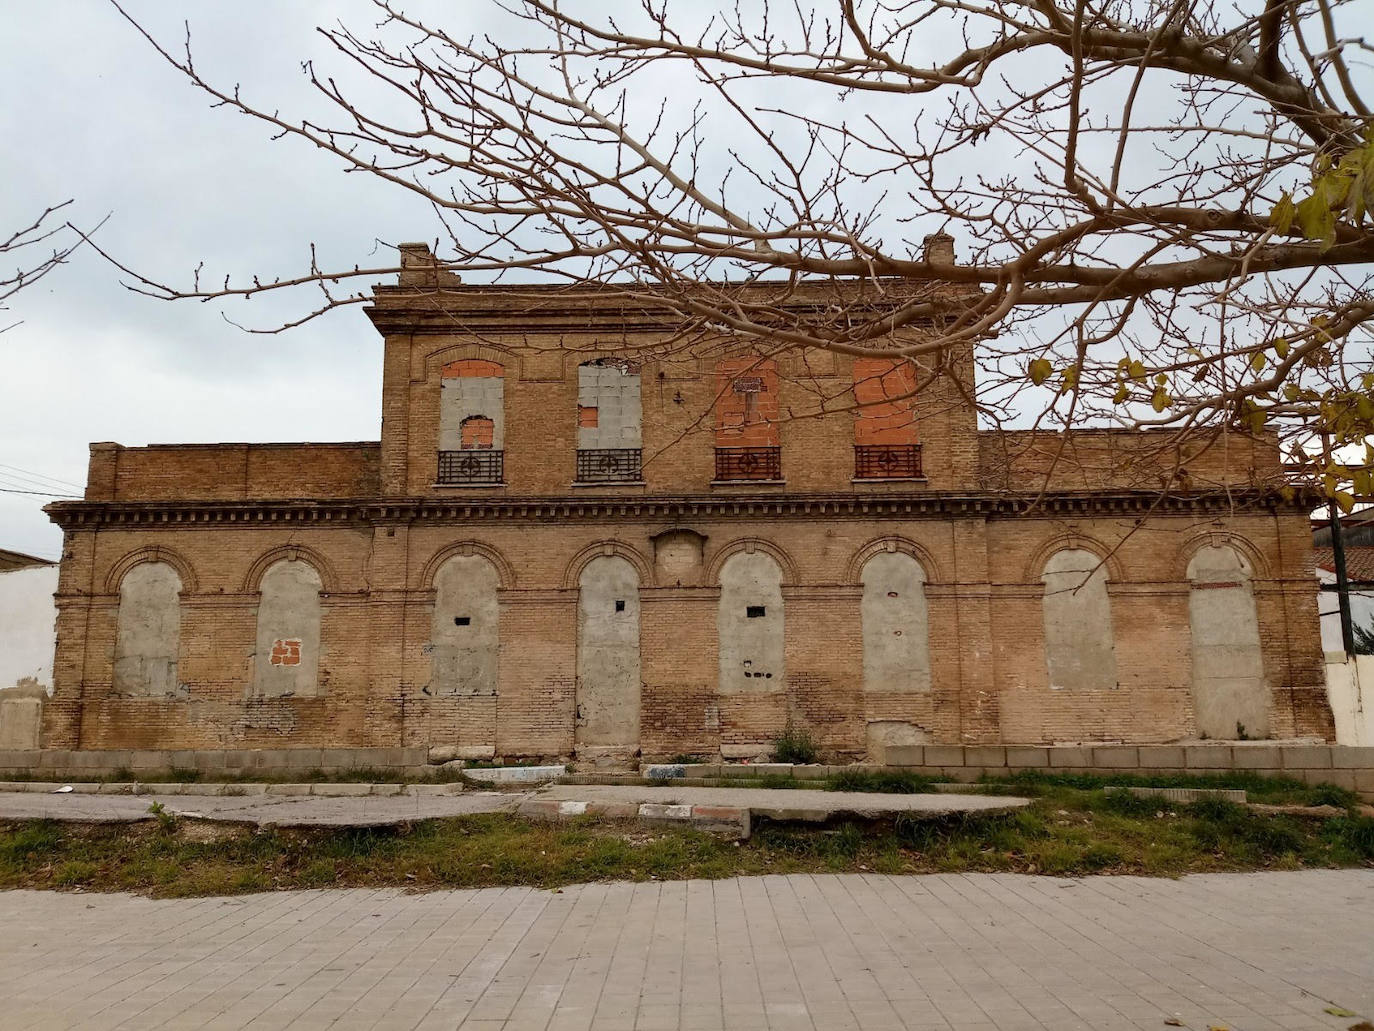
pixel 979 952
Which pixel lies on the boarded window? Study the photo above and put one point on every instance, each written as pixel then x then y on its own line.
pixel 477 432
pixel 472 405
pixel 751 646
pixel 1080 653
pixel 895 626
pixel 747 403
pixel 465 633
pixel 288 642
pixel 886 409
pixel 608 681
pixel 1230 694
pixel 148 637
pixel 608 405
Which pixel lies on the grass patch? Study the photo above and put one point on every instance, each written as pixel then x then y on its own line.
pixel 795 745
pixel 1270 790
pixel 891 782
pixel 1066 831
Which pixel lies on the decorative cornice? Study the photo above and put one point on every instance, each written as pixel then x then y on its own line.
pixel 673 509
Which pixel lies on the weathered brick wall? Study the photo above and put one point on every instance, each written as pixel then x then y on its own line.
pixel 986 634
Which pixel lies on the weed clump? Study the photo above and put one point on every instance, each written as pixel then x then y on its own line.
pixel 795 745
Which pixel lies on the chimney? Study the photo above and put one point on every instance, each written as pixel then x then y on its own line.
pixel 939 250
pixel 419 268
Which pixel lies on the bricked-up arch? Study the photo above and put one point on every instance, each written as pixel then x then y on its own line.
pixel 932 569
pixel 750 626
pixel 1080 651
pixel 608 669
pixel 609 412
pixel 287 659
pixel 885 411
pixel 148 632
pixel 465 630
pixel 291 553
pixel 155 553
pixel 471 389
pixel 747 409
pixel 895 624
pixel 572 576
pixel 1230 694
pixel 503 568
pixel 748 546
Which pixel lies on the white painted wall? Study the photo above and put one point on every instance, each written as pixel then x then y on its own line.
pixel 28 625
pixel 1350 689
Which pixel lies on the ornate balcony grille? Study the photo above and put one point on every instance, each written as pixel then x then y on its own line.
pixel 474 465
pixel 887 461
pixel 609 465
pixel 748 463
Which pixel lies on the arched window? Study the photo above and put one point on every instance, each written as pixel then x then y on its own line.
pixel 288 645
pixel 471 422
pixel 1080 651
pixel 608 683
pixel 747 412
pixel 895 628
pixel 750 625
pixel 609 443
pixel 148 632
pixel 885 446
pixel 465 633
pixel 1230 695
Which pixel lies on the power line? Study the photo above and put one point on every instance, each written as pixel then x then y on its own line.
pixel 39 493
pixel 29 474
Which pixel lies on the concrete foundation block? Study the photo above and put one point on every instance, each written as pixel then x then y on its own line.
pixel 182 759
pixel 269 759
pixel 944 755
pixel 1207 757
pixel 1364 783
pixel 1070 757
pixel 303 758
pixel 478 752
pixel 1255 757
pixel 1347 757
pixel 18 759
pixel 516 774
pixel 1027 757
pixel 985 755
pixel 904 755
pixel 1306 757
pixel 1343 778
pixel 142 759
pixel 238 758
pixel 1116 757
pixel 961 774
pixel 663 771
pixel 1164 757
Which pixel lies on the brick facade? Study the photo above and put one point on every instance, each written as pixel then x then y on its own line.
pixel 376 522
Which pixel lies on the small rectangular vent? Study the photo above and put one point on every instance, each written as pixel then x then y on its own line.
pixel 754 611
pixel 619 605
pixel 462 620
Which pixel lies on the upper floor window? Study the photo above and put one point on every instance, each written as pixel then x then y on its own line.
pixel 747 440
pixel 885 446
pixel 609 442
pixel 471 422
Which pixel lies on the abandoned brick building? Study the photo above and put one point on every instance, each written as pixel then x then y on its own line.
pixel 581 536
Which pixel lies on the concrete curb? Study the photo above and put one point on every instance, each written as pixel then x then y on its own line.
pixel 731 821
pixel 514 774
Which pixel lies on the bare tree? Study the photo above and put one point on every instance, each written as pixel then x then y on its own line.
pixel 31 252
pixel 1161 207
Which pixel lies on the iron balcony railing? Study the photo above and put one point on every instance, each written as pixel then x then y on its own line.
pixel 475 465
pixel 887 461
pixel 748 463
pixel 609 465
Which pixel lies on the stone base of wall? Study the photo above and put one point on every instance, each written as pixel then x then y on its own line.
pixel 229 762
pixel 1344 766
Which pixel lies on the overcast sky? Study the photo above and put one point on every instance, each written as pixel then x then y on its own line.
pixel 89 113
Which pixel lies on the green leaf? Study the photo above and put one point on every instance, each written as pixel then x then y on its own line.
pixel 1121 396
pixel 1160 399
pixel 1257 361
pixel 1040 370
pixel 1281 218
pixel 1137 371
pixel 1281 347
